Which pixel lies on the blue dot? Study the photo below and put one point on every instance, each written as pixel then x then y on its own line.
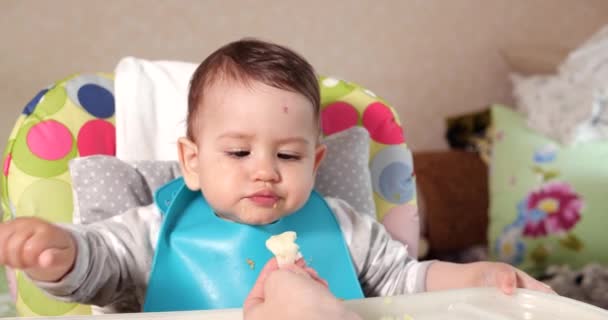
pixel 545 154
pixel 30 106
pixel 396 185
pixel 97 100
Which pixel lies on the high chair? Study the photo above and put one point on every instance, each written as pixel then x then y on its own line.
pixel 75 118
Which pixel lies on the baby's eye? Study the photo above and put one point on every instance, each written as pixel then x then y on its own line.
pixel 288 156
pixel 238 153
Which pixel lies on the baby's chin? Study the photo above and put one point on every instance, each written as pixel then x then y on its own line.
pixel 252 216
pixel 255 215
pixel 260 219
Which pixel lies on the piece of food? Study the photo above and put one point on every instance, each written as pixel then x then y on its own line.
pixel 284 248
pixel 251 263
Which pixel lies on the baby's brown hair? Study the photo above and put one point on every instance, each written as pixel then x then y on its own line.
pixel 250 59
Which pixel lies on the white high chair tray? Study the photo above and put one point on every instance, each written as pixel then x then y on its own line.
pixel 478 303
pixel 465 304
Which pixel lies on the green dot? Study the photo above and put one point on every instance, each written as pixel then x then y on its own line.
pixel 38 301
pixel 334 92
pixel 33 165
pixel 51 102
pixel 5 209
pixel 4 196
pixel 50 199
pixel 16 128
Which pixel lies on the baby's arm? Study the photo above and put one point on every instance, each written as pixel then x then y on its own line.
pixel 383 264
pixel 113 259
pixel 445 275
pixel 385 268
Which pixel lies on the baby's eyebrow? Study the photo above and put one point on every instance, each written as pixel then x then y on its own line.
pixel 243 136
pixel 294 140
pixel 235 135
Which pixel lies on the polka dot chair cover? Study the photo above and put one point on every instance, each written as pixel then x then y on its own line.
pixel 344 105
pixel 75 117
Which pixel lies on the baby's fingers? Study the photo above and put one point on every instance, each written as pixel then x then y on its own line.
pixel 6 232
pixel 54 257
pixel 55 253
pixel 47 246
pixel 14 249
pixel 507 279
pixel 527 282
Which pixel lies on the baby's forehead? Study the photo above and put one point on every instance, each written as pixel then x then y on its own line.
pixel 223 95
pixel 228 101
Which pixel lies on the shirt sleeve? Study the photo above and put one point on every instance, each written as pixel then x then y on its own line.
pixel 382 264
pixel 113 261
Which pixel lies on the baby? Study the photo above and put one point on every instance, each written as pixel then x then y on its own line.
pixel 248 162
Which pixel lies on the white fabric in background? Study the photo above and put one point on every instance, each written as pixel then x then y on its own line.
pixel 151 107
pixel 571 106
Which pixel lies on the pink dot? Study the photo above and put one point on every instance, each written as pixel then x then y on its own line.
pixel 379 121
pixel 337 117
pixel 7 164
pixel 49 140
pixel 97 137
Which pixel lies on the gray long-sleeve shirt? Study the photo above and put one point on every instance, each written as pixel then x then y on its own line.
pixel 114 259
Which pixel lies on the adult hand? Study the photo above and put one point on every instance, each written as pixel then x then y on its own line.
pixel 294 292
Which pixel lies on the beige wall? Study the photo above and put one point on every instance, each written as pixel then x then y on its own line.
pixel 428 58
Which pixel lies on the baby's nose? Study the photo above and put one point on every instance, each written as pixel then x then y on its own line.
pixel 266 170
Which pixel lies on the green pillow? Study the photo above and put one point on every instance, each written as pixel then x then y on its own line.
pixel 548 203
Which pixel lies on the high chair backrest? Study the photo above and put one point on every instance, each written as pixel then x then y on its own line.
pixel 75 118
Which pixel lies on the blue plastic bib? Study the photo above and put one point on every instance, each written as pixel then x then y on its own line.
pixel 205 262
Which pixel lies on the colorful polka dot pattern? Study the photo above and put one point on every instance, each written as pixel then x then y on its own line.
pixel 338 117
pixel 29 107
pixel 380 121
pixel 49 140
pixel 97 137
pixel 344 105
pixel 74 117
pixel 6 164
pixel 392 174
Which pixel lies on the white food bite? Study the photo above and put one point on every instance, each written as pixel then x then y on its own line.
pixel 284 248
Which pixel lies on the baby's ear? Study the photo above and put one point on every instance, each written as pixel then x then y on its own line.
pixel 188 162
pixel 320 152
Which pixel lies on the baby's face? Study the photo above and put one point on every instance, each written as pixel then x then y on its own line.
pixel 257 151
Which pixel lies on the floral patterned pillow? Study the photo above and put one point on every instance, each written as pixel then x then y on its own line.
pixel 548 203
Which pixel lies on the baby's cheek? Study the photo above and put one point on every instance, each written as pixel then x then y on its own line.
pixel 301 195
pixel 217 190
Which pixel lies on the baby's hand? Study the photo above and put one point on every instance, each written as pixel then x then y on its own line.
pixel 506 278
pixel 445 275
pixel 44 251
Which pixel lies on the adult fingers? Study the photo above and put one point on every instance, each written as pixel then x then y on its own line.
pixel 256 295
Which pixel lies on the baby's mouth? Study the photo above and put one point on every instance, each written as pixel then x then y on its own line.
pixel 267 199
